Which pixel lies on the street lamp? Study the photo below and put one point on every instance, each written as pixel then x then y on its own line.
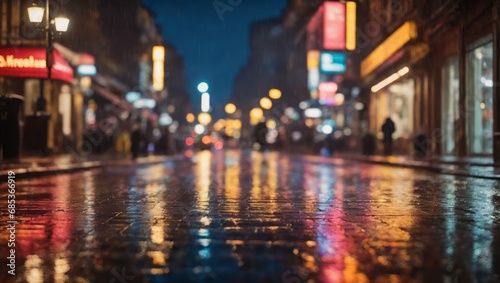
pixel 61 24
pixel 203 87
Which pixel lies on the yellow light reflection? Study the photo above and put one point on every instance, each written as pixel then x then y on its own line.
pixel 232 180
pixel 157 233
pixel 61 267
pixel 203 172
pixel 157 257
pixel 257 159
pixel 34 272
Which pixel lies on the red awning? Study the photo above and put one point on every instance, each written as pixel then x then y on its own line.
pixel 30 63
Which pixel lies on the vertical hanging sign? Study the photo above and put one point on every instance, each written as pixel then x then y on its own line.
pixel 158 67
pixel 334 27
pixel 350 26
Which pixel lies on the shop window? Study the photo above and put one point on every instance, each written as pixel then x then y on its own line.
pixel 449 104
pixel 65 109
pixel 396 102
pixel 479 100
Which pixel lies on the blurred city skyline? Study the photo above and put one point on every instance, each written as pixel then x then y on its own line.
pixel 213 38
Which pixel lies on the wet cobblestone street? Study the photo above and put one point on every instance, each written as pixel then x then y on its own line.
pixel 233 216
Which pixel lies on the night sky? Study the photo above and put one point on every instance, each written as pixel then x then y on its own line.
pixel 214 45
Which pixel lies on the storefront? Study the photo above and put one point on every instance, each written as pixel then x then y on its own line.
pixel 479 96
pixel 397 102
pixel 464 83
pixel 397 86
pixel 48 121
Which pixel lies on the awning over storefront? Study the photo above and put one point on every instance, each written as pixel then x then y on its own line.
pixel 74 58
pixel 31 63
pixel 113 98
pixel 397 40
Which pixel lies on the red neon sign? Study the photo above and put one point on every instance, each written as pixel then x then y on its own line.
pixel 334 26
pixel 31 63
pixel 327 91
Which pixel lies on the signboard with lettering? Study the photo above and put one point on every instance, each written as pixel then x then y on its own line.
pixel 332 62
pixel 31 63
pixel 327 91
pixel 334 26
pixel 393 43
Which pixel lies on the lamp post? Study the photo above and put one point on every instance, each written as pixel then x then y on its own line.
pixel 61 24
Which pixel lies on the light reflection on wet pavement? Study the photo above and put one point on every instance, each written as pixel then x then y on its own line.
pixel 251 217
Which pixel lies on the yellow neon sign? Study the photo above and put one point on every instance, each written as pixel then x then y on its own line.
pixel 158 69
pixel 350 24
pixel 312 59
pixel 386 49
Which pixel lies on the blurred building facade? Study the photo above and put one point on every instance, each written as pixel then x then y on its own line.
pixel 437 76
pixel 119 44
pixel 430 66
pixel 49 111
pixel 277 60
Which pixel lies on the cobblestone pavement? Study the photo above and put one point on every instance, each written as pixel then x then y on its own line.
pixel 251 217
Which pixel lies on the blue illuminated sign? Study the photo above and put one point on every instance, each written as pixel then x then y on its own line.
pixel 332 62
pixel 86 70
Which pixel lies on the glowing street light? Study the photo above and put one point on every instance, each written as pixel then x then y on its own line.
pixel 230 108
pixel 266 103
pixel 35 14
pixel 205 102
pixel 190 118
pixel 256 115
pixel 203 87
pixel 61 24
pixel 275 93
pixel 204 118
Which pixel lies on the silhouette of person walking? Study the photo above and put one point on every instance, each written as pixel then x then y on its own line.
pixel 135 140
pixel 388 128
pixel 259 135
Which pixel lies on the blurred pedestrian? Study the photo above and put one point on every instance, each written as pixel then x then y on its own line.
pixel 388 128
pixel 259 135
pixel 164 141
pixel 135 140
pixel 368 144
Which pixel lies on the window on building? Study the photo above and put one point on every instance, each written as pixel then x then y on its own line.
pixel 479 102
pixel 449 104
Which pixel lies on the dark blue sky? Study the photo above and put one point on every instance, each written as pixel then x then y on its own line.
pixel 214 47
